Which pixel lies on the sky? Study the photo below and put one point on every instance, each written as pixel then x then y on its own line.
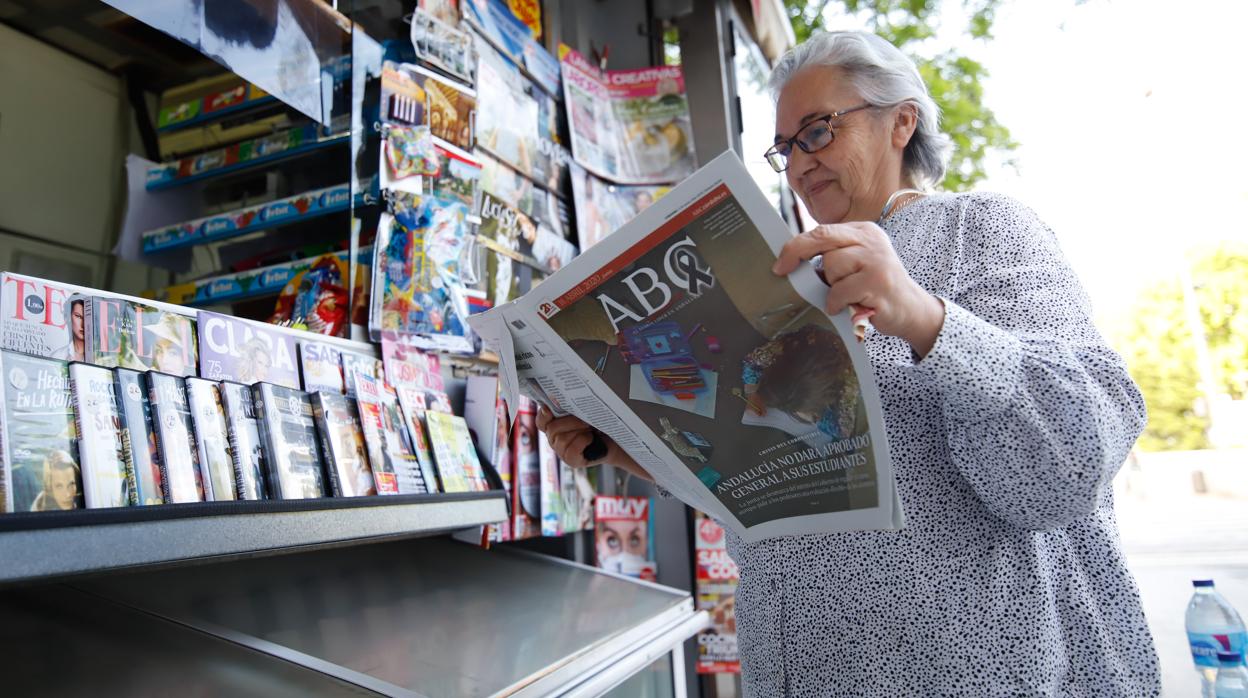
pixel 1128 117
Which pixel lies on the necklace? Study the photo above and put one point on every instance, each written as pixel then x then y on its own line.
pixel 894 204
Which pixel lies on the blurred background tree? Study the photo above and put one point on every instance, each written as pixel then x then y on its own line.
pixel 954 79
pixel 1160 349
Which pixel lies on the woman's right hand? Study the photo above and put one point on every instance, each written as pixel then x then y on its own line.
pixel 569 436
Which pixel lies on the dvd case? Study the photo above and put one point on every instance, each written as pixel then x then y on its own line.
pixel 291 447
pixel 342 442
pixel 41 471
pixel 454 452
pixel 180 475
pixel 246 446
pixel 139 336
pixel 138 438
pixel 321 366
pixel 38 317
pixel 212 439
pixel 106 480
pixel 247 352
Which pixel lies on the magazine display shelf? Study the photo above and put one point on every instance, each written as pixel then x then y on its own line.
pixel 43 545
pixel 234 111
pixel 243 285
pixel 264 161
pixel 417 617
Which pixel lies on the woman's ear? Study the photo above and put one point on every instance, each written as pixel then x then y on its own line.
pixel 905 121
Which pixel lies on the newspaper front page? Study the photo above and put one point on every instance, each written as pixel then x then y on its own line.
pixel 729 385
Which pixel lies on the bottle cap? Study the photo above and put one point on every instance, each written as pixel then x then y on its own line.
pixel 1230 657
pixel 1202 582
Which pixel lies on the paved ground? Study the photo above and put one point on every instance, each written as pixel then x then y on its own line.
pixel 1169 542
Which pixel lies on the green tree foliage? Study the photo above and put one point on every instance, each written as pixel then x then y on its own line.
pixel 954 79
pixel 1160 350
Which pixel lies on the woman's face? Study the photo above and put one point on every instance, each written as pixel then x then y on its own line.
pixel 64 487
pixel 850 178
pixel 168 359
pixel 76 315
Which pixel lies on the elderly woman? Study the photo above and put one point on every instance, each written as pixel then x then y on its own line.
pixel 1007 418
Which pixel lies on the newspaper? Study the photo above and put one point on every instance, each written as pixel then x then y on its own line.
pixel 729 385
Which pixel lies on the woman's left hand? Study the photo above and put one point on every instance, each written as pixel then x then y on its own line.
pixel 861 267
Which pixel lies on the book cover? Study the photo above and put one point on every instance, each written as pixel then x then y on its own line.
pixel 138 438
pixel 245 352
pixel 180 475
pixel 139 336
pixel 454 453
pixel 321 367
pixel 551 496
pixel 38 318
pixel 414 405
pixel 291 449
pixel 526 483
pixel 212 439
pixel 246 447
pixel 342 442
pixel 623 540
pixel 373 425
pixel 106 479
pixel 41 471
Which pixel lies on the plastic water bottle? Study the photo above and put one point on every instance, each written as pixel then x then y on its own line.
pixel 1232 681
pixel 1213 626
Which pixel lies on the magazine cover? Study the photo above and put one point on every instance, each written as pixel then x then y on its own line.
pixel 212 439
pixel 41 470
pixel 418 279
pixel 138 436
pixel 603 207
pixel 551 494
pixel 291 451
pixel 630 126
pixel 342 442
pixel 458 178
pixel 443 46
pixel 245 352
pixel 416 96
pixel 313 294
pixel 321 368
pixel 246 446
pixel 406 365
pixel 454 453
pixel 519 124
pixel 414 404
pixel 354 363
pixel 373 426
pixel 577 497
pixel 180 475
pixel 623 539
pixel 38 317
pixel 527 483
pixel 106 480
pixel 666 336
pixel 409 473
pixel 139 336
pixel 498 22
pixel 715 578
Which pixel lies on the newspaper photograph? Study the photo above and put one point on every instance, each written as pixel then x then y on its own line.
pixel 729 385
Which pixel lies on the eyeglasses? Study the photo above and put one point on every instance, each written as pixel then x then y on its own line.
pixel 811 138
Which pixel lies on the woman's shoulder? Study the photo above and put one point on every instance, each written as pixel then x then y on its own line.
pixel 982 218
pixel 976 206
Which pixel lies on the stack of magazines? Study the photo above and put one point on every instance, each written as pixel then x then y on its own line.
pixel 109 401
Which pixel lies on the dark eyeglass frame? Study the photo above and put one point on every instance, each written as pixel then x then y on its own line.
pixel 778 155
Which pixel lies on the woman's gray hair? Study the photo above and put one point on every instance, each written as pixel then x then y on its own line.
pixel 884 76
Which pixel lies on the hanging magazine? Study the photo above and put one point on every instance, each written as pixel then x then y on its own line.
pixel 630 126
pixel 729 385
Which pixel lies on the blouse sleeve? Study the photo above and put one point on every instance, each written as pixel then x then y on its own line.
pixel 1040 413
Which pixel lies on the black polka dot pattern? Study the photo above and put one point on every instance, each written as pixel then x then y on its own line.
pixel 1008 579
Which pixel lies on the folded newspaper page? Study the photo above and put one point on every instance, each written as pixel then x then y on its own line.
pixel 730 385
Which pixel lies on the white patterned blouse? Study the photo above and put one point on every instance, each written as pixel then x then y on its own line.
pixel 1009 577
